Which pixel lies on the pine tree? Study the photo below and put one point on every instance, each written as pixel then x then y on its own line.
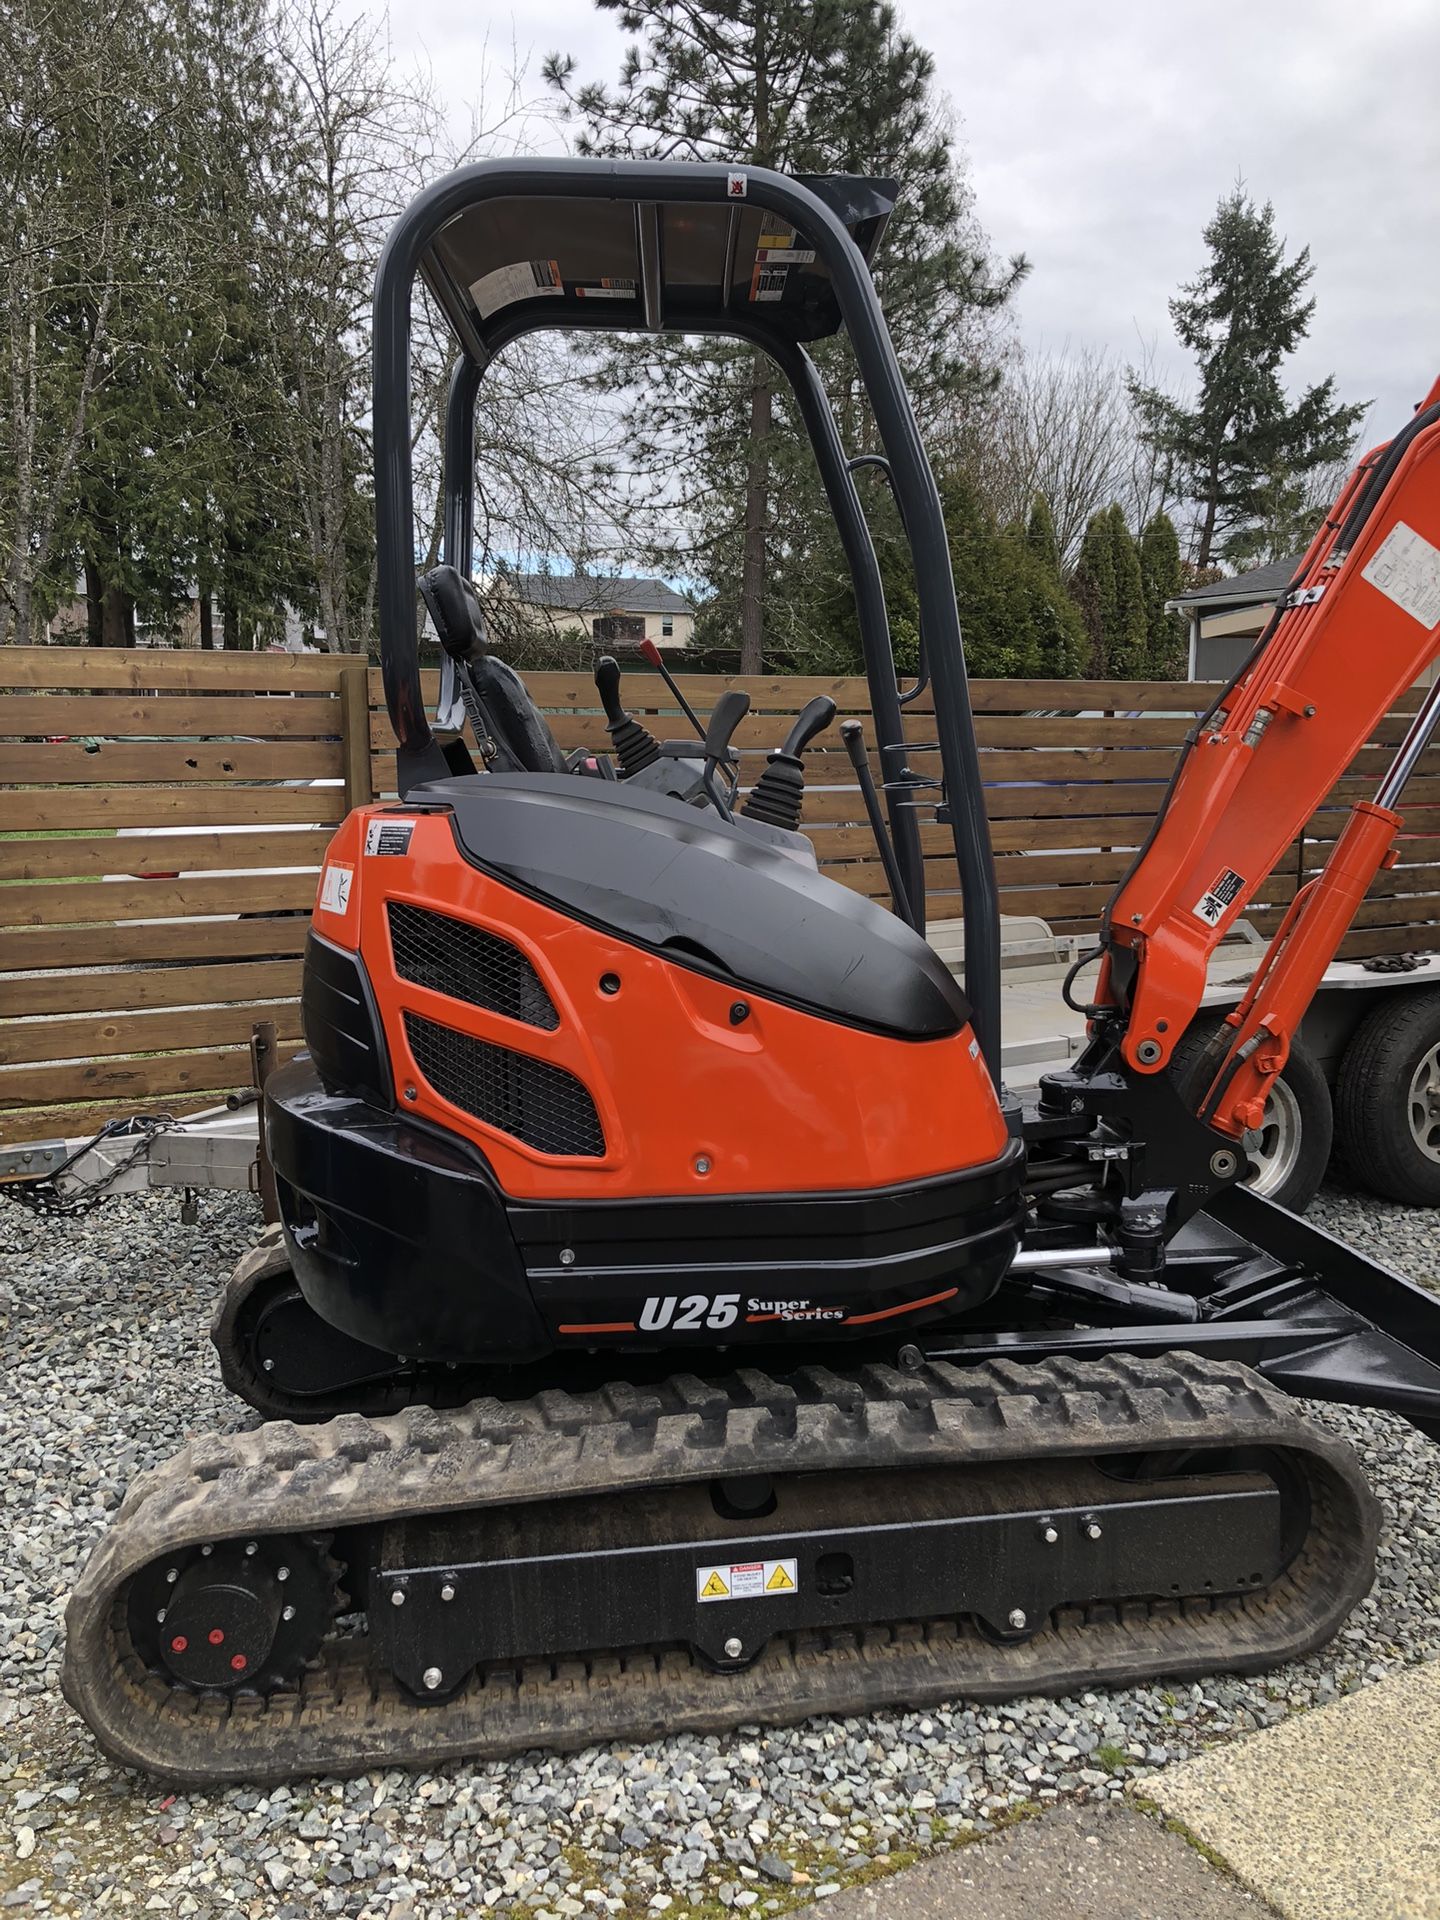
pixel 1163 578
pixel 804 87
pixel 1125 638
pixel 1242 317
pixel 128 308
pixel 246 518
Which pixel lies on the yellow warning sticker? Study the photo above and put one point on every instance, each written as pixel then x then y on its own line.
pixel 746 1580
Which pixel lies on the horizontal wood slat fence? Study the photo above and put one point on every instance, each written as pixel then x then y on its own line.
pixel 163 816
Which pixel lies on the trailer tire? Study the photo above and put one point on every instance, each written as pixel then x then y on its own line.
pixel 1288 1155
pixel 1387 1100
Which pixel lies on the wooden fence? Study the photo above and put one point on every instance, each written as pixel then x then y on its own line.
pixel 163 817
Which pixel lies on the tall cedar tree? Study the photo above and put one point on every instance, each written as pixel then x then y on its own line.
pixel 1125 641
pixel 1163 577
pixel 1016 616
pixel 833 86
pixel 1040 533
pixel 1063 643
pixel 1093 585
pixel 1242 317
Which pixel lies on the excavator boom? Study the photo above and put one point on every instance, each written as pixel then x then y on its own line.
pixel 1357 626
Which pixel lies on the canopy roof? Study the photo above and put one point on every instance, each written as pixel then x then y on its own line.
pixel 502 266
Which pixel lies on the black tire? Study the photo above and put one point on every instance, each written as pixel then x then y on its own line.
pixel 1287 1161
pixel 1375 1095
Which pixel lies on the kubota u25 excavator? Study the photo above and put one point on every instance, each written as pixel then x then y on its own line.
pixel 707 1337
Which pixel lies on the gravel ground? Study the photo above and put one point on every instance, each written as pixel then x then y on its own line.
pixel 107 1367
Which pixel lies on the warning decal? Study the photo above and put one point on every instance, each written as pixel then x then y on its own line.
pixel 746 1580
pixel 388 836
pixel 1224 891
pixel 335 888
pixel 522 280
pixel 775 254
pixel 1406 569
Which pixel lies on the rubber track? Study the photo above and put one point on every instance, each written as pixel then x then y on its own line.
pixel 355 1472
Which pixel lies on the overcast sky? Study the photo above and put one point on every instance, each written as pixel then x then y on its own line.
pixel 1100 134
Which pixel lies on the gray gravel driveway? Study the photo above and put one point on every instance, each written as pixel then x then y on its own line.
pixel 107 1367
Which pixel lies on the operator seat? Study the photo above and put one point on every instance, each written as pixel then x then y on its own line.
pixel 517 725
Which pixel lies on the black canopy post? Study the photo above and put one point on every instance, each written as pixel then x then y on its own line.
pixel 459 225
pixel 458 478
pixel 874 623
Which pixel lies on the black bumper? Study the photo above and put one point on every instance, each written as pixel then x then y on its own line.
pixel 401 1237
pixel 396 1236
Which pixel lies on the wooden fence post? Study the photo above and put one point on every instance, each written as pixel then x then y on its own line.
pixel 355 733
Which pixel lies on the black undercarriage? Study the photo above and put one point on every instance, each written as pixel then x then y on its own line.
pixel 583 1566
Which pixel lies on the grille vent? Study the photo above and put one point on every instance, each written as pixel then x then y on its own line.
pixel 546 1107
pixel 467 963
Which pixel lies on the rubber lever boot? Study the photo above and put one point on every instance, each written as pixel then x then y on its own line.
pixel 779 793
pixel 635 746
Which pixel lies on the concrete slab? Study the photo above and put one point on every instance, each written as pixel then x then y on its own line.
pixel 1077 1863
pixel 1333 1815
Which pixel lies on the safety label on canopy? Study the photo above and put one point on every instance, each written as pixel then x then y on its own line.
pixel 746 1580
pixel 521 280
pixel 1406 569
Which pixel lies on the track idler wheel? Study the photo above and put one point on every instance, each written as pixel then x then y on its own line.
pixel 243 1616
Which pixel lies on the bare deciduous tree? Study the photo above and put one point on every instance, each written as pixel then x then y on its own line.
pixel 1061 424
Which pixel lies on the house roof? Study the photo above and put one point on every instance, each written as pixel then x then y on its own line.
pixel 591 593
pixel 1242 589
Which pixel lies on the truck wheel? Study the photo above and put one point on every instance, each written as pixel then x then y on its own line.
pixel 1286 1156
pixel 1387 1100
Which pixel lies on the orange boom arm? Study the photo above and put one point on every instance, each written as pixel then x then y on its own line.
pixel 1358 624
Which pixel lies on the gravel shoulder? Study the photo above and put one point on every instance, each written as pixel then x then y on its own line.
pixel 107 1368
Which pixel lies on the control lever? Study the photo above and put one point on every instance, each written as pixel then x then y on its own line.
pixel 853 734
pixel 635 746
pixel 729 710
pixel 652 653
pixel 779 793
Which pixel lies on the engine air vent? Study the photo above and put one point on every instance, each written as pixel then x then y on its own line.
pixel 546 1107
pixel 467 963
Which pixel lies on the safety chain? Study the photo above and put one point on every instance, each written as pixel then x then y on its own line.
pixel 42 1194
pixel 1394 963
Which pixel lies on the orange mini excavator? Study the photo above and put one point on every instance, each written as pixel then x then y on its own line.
pixel 685 1326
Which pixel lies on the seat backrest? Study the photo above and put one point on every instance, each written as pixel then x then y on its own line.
pixel 455 610
pixel 510 716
